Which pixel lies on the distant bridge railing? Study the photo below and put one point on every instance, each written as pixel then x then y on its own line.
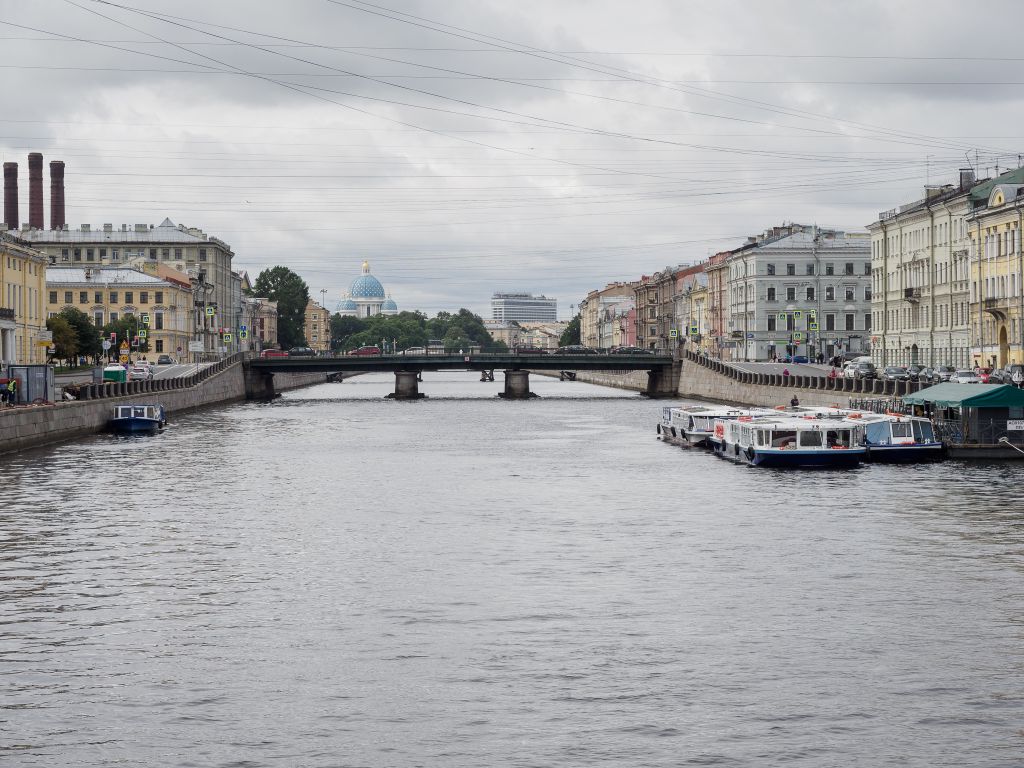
pixel 479 361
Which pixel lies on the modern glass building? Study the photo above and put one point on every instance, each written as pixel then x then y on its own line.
pixel 524 307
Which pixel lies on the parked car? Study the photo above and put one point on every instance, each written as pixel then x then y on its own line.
pixel 367 350
pixel 165 360
pixel 850 370
pixel 1013 374
pixel 576 349
pixel 926 375
pixel 944 372
pixel 965 377
pixel 864 370
pixel 301 352
pixel 795 359
pixel 528 350
pixel 983 374
pixel 914 371
pixel 413 351
pixel 273 353
pixel 895 373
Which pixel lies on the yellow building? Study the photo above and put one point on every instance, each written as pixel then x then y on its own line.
pixel 997 268
pixel 107 294
pixel 22 315
pixel 316 327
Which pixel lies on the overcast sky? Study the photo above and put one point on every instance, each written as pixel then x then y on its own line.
pixel 464 147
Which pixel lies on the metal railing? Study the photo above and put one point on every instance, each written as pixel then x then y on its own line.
pixel 982 432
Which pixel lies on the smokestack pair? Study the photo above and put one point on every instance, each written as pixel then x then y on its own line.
pixel 35 193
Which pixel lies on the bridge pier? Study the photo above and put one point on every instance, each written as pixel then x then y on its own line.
pixel 517 385
pixel 259 385
pixel 664 381
pixel 407 386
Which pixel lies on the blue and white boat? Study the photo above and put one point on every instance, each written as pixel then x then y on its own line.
pixel 133 419
pixel 693 425
pixel 790 442
pixel 898 438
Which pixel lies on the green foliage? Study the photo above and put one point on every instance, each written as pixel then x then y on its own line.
pixel 291 293
pixel 87 335
pixel 65 341
pixel 412 329
pixel 126 327
pixel 571 334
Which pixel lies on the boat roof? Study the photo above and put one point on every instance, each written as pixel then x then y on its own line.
pixel 948 395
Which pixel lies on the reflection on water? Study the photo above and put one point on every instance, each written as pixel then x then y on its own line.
pixel 337 579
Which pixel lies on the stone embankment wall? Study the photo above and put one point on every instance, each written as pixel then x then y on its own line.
pixel 702 378
pixel 31 426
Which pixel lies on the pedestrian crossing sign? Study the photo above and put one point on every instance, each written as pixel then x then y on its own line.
pixel 209 311
pixel 243 334
pixel 798 336
pixel 673 333
pixel 812 326
pixel 694 330
pixel 143 333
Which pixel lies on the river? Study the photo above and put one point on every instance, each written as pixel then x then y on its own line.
pixel 335 579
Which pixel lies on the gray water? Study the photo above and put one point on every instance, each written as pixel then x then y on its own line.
pixel 338 580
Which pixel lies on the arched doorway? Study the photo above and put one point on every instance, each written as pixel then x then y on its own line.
pixel 1004 347
pixel 914 352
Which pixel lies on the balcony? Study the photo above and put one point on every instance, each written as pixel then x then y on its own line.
pixel 996 306
pixel 6 313
pixel 912 295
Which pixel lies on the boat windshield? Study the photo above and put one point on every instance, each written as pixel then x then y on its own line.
pixel 902 429
pixel 783 438
pixel 923 432
pixel 837 438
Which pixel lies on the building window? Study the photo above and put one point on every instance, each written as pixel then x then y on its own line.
pixel 68 297
pixel 810 293
pixel 651 313
pixel 113 317
pixel 65 254
pixel 830 293
pixel 791 269
pixel 158 297
pixel 53 297
pixel 849 294
pixel 830 269
pixel 97 318
pixel 867 294
pixel 97 297
pixel 654 331
pixel 129 297
pixel 89 254
pixel 83 297
pixel 143 297
pixel 152 253
pixel 770 268
pixel 165 253
pixel 158 321
pixel 867 321
pixel 78 254
pixel 159 345
pixel 771 294
pixel 115 254
pixel 791 294
pixel 867 267
pixel 113 297
pixel 849 267
pixel 849 322
pixel 177 253
pixel 103 253
pixel 202 254
pixel 810 269
pixel 771 321
pixel 830 322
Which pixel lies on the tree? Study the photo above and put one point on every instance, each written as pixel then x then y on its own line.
pixel 87 335
pixel 291 293
pixel 571 334
pixel 126 329
pixel 343 327
pixel 65 342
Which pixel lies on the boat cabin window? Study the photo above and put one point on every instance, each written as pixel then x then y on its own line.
pixel 923 432
pixel 810 439
pixel 783 438
pixel 902 429
pixel 837 438
pixel 763 437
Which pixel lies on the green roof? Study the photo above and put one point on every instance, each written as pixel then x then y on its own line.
pixel 969 396
pixel 981 191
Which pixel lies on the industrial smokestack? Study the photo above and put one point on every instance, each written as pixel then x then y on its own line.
pixel 11 195
pixel 35 190
pixel 57 220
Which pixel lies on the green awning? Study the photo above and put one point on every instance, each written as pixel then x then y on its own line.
pixel 968 396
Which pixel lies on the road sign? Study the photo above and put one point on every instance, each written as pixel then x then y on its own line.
pixel 145 319
pixel 750 335
pixel 243 334
pixel 673 333
pixel 210 311
pixel 812 326
pixel 123 358
pixel 782 317
pixel 797 314
pixel 143 333
pixel 124 345
pixel 113 337
pixel 694 330
pixel 105 345
pixel 242 328
pixel 179 350
pixel 227 338
pixel 798 336
pixel 194 346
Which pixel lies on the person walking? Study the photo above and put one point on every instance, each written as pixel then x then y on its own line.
pixel 785 372
pixel 12 391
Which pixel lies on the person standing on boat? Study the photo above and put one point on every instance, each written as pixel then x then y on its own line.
pixel 795 401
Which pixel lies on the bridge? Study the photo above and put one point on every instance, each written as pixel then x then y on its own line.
pixel 662 376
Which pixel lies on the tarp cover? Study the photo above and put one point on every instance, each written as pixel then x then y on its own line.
pixel 968 396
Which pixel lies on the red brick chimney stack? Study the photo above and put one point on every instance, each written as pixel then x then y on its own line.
pixel 11 195
pixel 57 220
pixel 35 190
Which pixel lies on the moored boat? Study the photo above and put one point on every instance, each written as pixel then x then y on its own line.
pixel 898 438
pixel 693 425
pixel 137 418
pixel 790 442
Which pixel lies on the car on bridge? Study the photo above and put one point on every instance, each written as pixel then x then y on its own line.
pixel 367 350
pixel 413 351
pixel 575 349
pixel 530 351
pixel 273 353
pixel 630 351
pixel 301 352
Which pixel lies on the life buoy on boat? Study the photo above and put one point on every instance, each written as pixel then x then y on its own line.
pixel 736 448
pixel 659 429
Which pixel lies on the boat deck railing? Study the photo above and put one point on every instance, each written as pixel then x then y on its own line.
pixel 982 432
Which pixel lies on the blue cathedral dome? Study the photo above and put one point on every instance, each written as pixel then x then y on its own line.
pixel 389 305
pixel 366 286
pixel 347 305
